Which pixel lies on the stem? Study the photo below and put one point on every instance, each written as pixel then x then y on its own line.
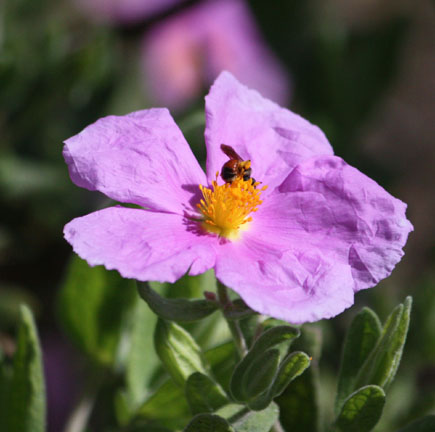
pixel 232 324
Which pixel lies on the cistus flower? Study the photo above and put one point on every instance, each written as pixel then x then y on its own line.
pixel 183 54
pixel 297 250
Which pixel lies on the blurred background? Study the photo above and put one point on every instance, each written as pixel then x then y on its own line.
pixel 363 70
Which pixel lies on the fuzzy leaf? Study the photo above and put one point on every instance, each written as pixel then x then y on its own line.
pixel 156 408
pixel 260 374
pixel 424 424
pixel 176 309
pixel 361 410
pixel 92 307
pixel 208 423
pixel 270 338
pixel 362 336
pixel 142 360
pixel 298 404
pixel 203 394
pixel 221 359
pixel 25 411
pixel 381 366
pixel 257 421
pixel 178 351
pixel 290 368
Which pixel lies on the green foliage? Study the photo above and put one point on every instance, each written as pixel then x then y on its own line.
pixel 142 360
pixel 176 309
pixel 361 410
pixel 208 423
pixel 290 368
pixel 238 310
pixel 299 404
pixel 167 406
pixel 244 420
pixel 362 336
pixel 23 403
pixel 203 394
pixel 268 339
pixel 425 424
pixel 221 359
pixel 92 306
pixel 178 351
pixel 381 365
pixel 260 376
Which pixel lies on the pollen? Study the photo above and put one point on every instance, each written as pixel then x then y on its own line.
pixel 227 209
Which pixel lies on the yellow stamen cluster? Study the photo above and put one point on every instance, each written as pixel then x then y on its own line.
pixel 226 208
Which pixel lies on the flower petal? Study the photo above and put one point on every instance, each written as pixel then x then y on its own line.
pixel 140 158
pixel 343 212
pixel 325 233
pixel 186 52
pixel 273 138
pixel 297 285
pixel 140 244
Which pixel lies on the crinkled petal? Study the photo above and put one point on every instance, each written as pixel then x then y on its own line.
pixel 140 244
pixel 273 138
pixel 297 284
pixel 342 212
pixel 140 158
pixel 325 233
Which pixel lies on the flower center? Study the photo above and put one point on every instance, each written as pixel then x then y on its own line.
pixel 226 208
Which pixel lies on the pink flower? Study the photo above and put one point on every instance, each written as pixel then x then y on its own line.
pixel 184 54
pixel 321 231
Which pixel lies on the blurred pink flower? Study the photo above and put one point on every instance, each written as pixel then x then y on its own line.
pixel 320 232
pixel 124 11
pixel 183 54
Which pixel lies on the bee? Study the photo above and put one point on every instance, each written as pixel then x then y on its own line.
pixel 235 167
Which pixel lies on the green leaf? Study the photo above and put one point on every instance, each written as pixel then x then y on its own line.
pixel 176 309
pixel 122 408
pixel 270 338
pixel 167 406
pixel 260 374
pixel 362 336
pixel 298 404
pixel 142 360
pixel 222 359
pixel 361 410
pixel 256 421
pixel 178 351
pixel 381 365
pixel 290 368
pixel 208 423
pixel 424 424
pixel 203 394
pixel 26 396
pixel 92 306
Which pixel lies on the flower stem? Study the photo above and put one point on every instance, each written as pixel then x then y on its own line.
pixel 233 325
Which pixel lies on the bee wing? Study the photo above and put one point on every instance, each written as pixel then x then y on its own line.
pixel 230 152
